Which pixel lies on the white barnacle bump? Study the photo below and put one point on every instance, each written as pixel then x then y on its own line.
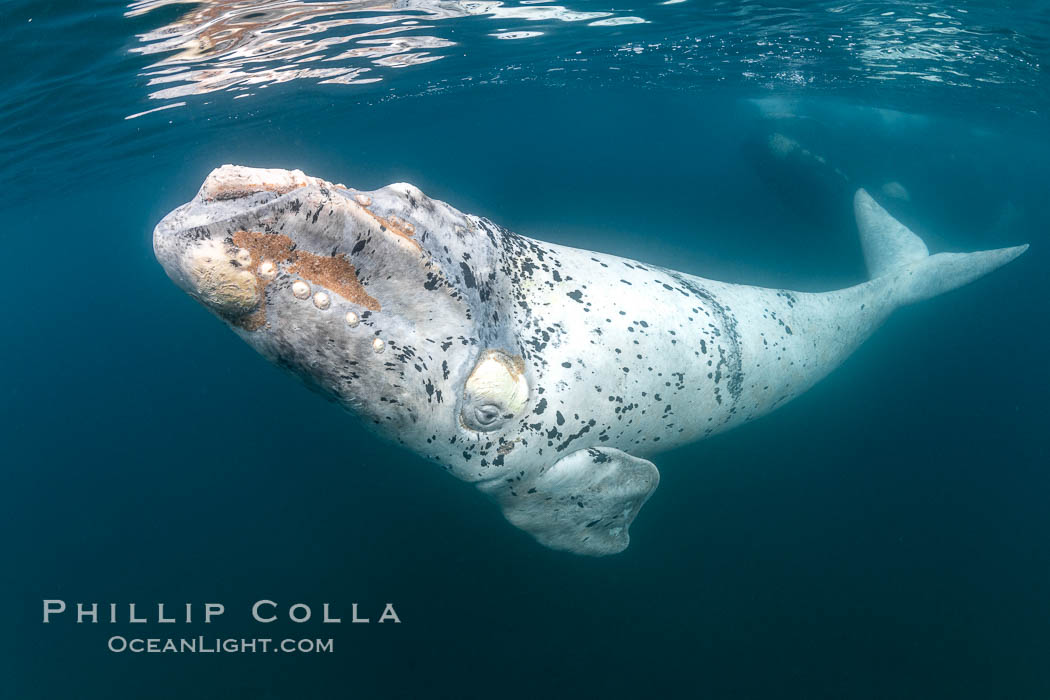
pixel 397 222
pixel 496 391
pixel 300 289
pixel 322 301
pixel 378 345
pixel 243 257
pixel 267 270
pixel 363 199
pixel 352 319
pixel 221 284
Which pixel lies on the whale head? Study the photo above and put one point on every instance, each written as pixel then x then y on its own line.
pixel 418 319
pixel 374 299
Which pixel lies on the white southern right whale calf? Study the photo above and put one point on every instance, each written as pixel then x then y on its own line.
pixel 545 375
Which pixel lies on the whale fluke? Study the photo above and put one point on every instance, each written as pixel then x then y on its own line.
pixel 887 243
pixel 944 272
pixel 897 257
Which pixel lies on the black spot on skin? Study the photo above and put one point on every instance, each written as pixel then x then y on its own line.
pixel 598 457
pixel 540 407
pixel 576 296
pixel 584 430
pixel 734 362
pixel 468 276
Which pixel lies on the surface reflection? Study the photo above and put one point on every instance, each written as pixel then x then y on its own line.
pixel 245 44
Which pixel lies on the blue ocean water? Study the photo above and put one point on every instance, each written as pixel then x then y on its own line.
pixel 883 536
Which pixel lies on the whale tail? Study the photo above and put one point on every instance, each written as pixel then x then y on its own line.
pixel 896 256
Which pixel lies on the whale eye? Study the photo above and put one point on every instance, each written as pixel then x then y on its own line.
pixel 495 392
pixel 487 414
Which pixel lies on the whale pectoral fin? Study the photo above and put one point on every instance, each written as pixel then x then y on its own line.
pixel 585 502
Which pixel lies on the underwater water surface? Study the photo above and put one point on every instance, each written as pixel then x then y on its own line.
pixel 885 535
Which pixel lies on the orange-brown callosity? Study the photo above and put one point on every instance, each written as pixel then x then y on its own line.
pixel 396 226
pixel 333 272
pixel 225 191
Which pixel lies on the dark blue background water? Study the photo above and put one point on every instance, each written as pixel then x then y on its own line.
pixel 884 536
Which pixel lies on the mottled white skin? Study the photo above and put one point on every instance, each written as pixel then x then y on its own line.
pixel 544 374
